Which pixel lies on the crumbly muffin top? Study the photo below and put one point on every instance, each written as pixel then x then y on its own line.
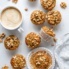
pixel 5 67
pixel 48 31
pixel 18 61
pixel 63 5
pixel 48 4
pixel 32 40
pixel 11 42
pixel 38 17
pixel 53 17
pixel 41 60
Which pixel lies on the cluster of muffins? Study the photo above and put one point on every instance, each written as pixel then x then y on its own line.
pixel 41 59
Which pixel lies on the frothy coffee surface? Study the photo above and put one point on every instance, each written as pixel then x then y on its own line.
pixel 11 18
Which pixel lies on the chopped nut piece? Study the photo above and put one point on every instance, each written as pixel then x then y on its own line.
pixel 5 67
pixel 32 0
pixel 26 9
pixel 63 5
pixel 18 62
pixel 32 40
pixel 15 1
pixel 55 40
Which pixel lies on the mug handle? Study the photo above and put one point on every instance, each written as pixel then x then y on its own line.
pixel 20 29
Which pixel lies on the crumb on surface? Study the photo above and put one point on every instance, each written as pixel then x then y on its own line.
pixel 26 9
pixel 63 5
pixel 5 67
pixel 15 1
pixel 32 0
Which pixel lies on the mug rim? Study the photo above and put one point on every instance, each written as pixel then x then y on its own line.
pixel 16 9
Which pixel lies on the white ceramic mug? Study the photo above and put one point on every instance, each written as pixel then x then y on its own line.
pixel 19 28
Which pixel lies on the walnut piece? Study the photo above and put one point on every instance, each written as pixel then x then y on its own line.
pixel 63 5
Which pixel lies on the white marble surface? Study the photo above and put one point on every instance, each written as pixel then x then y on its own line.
pixel 61 29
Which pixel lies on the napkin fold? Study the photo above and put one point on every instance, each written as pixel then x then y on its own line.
pixel 62 53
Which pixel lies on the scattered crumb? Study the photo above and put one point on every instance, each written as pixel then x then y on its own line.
pixel 2 36
pixel 5 67
pixel 15 1
pixel 52 44
pixel 63 5
pixel 55 40
pixel 26 9
pixel 1 40
pixel 32 0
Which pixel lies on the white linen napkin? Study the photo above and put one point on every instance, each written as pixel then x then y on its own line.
pixel 62 53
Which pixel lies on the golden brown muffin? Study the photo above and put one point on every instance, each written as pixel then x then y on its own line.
pixel 47 34
pixel 41 60
pixel 18 62
pixel 48 4
pixel 48 31
pixel 38 17
pixel 53 17
pixel 11 42
pixel 32 40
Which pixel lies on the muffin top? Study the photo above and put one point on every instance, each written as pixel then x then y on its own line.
pixel 40 60
pixel 48 4
pixel 38 17
pixel 48 31
pixel 32 40
pixel 53 17
pixel 11 42
pixel 18 61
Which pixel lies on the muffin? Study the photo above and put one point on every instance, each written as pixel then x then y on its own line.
pixel 32 40
pixel 48 4
pixel 18 62
pixel 47 34
pixel 11 42
pixel 40 58
pixel 37 17
pixel 53 17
